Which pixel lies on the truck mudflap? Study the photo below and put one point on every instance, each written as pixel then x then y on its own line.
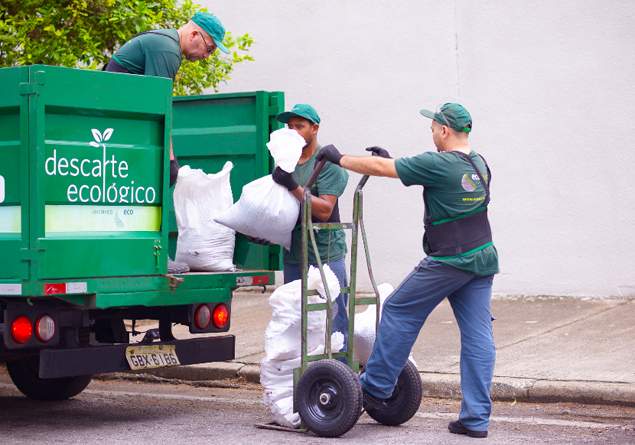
pixel 55 363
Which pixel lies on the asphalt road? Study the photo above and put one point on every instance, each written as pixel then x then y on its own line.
pixel 122 411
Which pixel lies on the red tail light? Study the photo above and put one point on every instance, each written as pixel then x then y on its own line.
pixel 21 329
pixel 221 316
pixel 202 316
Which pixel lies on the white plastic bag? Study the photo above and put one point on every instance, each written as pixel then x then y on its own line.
pixel 203 244
pixel 276 377
pixel 282 342
pixel 282 336
pixel 365 326
pixel 265 209
pixel 283 145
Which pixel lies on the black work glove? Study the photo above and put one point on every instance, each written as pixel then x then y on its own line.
pixel 378 151
pixel 330 153
pixel 284 179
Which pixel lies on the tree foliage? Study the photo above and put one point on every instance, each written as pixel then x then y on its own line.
pixel 85 33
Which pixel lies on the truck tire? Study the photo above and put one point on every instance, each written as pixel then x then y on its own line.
pixel 24 373
pixel 328 398
pixel 405 400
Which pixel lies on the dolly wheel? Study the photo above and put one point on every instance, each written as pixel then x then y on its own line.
pixel 329 398
pixel 405 399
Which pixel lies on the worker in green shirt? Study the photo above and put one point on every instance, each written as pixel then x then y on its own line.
pixel 329 186
pixel 159 53
pixel 460 264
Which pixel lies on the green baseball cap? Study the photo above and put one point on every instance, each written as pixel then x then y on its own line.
pixel 452 115
pixel 304 111
pixel 213 27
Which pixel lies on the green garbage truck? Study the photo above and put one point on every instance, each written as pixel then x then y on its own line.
pixel 87 222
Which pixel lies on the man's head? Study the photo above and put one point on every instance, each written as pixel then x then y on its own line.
pixel 201 36
pixel 450 126
pixel 304 119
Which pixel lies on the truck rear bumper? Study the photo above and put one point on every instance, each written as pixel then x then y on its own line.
pixel 55 363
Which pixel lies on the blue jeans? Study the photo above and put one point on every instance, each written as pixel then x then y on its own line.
pixel 403 315
pixel 293 272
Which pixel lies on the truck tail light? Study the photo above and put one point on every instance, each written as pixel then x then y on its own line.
pixel 45 328
pixel 221 316
pixel 21 329
pixel 202 316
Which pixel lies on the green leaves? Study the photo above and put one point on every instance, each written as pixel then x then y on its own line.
pixel 85 33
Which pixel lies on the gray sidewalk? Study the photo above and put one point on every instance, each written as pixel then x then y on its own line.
pixel 548 349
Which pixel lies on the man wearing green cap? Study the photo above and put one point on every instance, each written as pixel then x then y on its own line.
pixel 159 53
pixel 330 184
pixel 460 264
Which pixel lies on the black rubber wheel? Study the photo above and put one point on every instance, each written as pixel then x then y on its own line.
pixel 329 398
pixel 24 373
pixel 405 399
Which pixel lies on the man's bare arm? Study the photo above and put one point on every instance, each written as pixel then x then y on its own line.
pixel 370 165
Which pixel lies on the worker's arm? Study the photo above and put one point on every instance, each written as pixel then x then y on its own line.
pixel 370 165
pixel 379 165
pixel 321 206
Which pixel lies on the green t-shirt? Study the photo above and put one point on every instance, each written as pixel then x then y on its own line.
pixel 451 189
pixel 331 243
pixel 154 53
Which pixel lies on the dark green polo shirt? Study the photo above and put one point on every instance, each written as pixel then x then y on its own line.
pixel 452 189
pixel 331 243
pixel 154 53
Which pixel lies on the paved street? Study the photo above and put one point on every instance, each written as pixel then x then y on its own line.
pixel 136 412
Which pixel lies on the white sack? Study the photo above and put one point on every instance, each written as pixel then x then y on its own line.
pixel 265 209
pixel 282 341
pixel 283 145
pixel 282 336
pixel 276 377
pixel 203 244
pixel 365 326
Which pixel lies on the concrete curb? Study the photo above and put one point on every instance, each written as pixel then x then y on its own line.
pixel 444 385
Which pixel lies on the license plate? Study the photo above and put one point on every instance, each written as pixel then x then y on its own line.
pixel 151 356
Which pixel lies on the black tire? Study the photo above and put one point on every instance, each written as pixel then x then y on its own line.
pixel 405 399
pixel 24 373
pixel 328 398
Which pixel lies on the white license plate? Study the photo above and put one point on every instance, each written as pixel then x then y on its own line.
pixel 151 356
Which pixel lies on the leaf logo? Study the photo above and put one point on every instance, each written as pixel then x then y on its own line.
pixel 100 137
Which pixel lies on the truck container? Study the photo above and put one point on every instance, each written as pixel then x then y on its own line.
pixel 87 222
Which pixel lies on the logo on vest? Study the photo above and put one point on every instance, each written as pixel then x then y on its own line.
pixel 470 182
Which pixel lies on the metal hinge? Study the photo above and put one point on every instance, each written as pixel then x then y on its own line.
pixel 274 105
pixel 33 87
pixel 28 88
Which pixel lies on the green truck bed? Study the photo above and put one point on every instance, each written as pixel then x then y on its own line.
pixel 86 214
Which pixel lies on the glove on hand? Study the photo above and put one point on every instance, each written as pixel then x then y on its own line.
pixel 330 153
pixel 284 179
pixel 378 151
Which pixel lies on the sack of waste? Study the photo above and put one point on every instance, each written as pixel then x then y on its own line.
pixel 267 210
pixel 199 197
pixel 283 345
pixel 365 328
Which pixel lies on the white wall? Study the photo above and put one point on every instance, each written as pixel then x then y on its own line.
pixel 551 88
